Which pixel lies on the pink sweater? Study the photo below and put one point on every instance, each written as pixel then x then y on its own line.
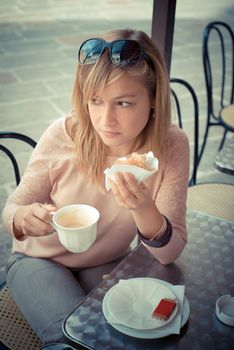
pixel 52 176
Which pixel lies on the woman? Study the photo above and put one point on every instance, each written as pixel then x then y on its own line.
pixel 121 104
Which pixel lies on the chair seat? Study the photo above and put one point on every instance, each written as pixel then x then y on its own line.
pixel 15 332
pixel 227 116
pixel 214 199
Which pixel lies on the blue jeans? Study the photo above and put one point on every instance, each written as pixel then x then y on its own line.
pixel 46 291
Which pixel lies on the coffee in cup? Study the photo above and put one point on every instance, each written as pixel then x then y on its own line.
pixel 71 220
pixel 76 226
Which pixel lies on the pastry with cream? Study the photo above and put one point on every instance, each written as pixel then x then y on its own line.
pixel 140 165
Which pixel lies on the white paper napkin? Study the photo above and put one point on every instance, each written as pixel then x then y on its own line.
pixel 175 325
pixel 139 173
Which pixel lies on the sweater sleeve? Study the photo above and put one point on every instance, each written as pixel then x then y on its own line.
pixel 35 185
pixel 171 196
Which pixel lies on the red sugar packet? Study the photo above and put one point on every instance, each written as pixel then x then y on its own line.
pixel 164 309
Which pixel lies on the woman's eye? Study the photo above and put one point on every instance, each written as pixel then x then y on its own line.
pixel 96 101
pixel 124 103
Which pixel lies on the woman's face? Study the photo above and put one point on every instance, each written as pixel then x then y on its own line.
pixel 120 113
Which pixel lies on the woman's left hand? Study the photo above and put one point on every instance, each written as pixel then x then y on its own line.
pixel 129 193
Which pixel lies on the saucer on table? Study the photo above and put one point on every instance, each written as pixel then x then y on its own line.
pixel 136 320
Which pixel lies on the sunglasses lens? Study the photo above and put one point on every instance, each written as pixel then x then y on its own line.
pixel 90 51
pixel 123 52
pixel 126 52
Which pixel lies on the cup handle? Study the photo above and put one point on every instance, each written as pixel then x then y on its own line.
pixel 51 222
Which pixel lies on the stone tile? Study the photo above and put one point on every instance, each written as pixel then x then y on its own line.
pixel 60 86
pixel 4 193
pixel 5 248
pixel 5 7
pixel 8 36
pixel 22 46
pixel 7 78
pixel 5 238
pixel 19 92
pixel 25 113
pixel 31 59
pixel 63 103
pixel 9 26
pixel 38 73
pixel 48 30
pixel 22 158
pixel 71 53
pixel 187 67
pixel 34 129
pixel 73 41
pixel 100 26
pixel 207 171
pixel 69 68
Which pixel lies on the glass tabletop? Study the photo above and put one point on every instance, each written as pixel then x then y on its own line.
pixel 205 268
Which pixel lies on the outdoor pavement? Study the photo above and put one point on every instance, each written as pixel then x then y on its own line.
pixel 38 53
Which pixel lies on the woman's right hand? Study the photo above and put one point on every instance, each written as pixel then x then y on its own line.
pixel 33 220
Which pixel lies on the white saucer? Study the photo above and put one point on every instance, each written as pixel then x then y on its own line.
pixel 131 302
pixel 149 333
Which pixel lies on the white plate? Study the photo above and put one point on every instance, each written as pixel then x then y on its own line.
pixel 146 334
pixel 131 302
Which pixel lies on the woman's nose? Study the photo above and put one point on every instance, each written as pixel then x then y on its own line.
pixel 108 115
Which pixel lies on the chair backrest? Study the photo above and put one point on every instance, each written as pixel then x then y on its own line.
pixel 15 332
pixel 186 110
pixel 218 63
pixel 8 152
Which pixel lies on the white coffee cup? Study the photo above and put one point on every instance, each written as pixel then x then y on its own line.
pixel 76 226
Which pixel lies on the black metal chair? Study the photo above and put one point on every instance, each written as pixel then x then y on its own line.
pixel 218 63
pixel 211 198
pixel 15 332
pixel 8 152
pixel 182 90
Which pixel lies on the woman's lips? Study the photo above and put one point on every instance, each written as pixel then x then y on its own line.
pixel 109 133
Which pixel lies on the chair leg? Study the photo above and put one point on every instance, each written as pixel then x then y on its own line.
pixel 204 142
pixel 223 139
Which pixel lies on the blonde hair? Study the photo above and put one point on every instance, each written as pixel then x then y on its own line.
pixel 92 152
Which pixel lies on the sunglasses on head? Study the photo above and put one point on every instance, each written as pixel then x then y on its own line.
pixel 123 52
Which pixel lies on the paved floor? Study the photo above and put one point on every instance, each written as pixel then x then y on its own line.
pixel 38 50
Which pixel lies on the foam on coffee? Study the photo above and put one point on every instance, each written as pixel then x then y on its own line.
pixel 72 220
